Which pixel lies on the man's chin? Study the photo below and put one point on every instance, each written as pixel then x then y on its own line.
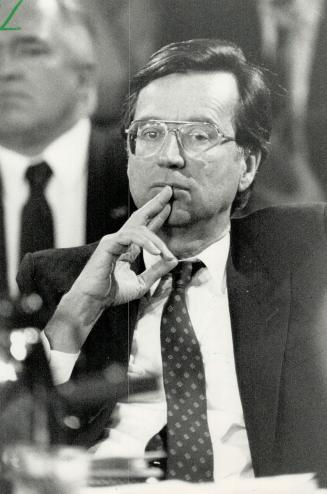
pixel 178 217
pixel 14 122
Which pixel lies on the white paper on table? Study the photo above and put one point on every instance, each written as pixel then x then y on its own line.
pixel 284 484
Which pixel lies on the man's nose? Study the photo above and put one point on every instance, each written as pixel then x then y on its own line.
pixel 171 153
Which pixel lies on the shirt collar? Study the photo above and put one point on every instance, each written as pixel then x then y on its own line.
pixel 66 157
pixel 213 257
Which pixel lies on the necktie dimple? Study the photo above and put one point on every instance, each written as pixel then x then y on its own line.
pixel 37 231
pixel 189 448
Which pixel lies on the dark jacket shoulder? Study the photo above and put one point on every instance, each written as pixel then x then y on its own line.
pixel 283 236
pixel 51 273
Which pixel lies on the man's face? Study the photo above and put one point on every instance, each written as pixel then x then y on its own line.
pixel 204 185
pixel 40 83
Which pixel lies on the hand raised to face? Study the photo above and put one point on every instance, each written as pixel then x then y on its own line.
pixel 107 277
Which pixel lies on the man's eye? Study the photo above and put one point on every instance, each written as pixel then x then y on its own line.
pixel 199 136
pixel 150 134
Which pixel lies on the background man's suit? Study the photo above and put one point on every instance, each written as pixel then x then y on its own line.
pixel 107 190
pixel 277 287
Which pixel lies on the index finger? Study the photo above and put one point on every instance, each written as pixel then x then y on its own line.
pixel 158 204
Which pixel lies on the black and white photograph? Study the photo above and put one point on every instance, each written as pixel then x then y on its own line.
pixel 163 246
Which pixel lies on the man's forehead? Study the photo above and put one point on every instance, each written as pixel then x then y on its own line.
pixel 190 91
pixel 33 17
pixel 43 20
pixel 31 10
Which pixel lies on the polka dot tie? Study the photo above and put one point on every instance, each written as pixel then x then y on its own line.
pixel 189 448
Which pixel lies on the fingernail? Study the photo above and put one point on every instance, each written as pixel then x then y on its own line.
pixel 167 187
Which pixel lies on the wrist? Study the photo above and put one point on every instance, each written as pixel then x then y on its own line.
pixel 72 322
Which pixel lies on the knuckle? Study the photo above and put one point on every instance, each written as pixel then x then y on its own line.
pixel 105 240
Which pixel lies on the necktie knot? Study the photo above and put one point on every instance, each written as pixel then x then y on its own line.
pixel 183 272
pixel 38 175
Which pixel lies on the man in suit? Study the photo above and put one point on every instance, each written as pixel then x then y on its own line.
pixel 48 93
pixel 250 321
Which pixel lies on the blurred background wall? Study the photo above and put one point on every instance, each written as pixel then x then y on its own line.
pixel 288 37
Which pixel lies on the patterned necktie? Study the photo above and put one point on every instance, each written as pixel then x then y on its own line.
pixel 189 448
pixel 37 231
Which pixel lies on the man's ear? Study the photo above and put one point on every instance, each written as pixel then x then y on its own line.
pixel 88 82
pixel 250 164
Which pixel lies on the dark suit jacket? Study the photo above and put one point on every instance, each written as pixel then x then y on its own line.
pixel 277 287
pixel 107 187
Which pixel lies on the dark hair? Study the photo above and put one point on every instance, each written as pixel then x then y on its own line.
pixel 253 115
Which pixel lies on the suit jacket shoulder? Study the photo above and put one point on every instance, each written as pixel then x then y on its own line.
pixel 280 236
pixel 51 273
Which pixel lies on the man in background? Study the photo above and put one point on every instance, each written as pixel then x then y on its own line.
pixel 58 173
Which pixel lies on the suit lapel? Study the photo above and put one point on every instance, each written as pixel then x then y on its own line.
pixel 259 309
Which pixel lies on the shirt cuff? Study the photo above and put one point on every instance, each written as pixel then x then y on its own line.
pixel 61 363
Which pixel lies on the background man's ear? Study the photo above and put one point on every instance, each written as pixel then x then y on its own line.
pixel 88 84
pixel 251 162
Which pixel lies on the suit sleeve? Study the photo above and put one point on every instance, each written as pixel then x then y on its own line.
pixel 25 277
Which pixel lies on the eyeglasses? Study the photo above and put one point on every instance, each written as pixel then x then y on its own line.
pixel 146 137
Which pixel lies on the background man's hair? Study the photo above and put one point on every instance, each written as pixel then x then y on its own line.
pixel 253 115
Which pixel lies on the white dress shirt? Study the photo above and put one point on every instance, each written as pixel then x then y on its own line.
pixel 140 417
pixel 65 192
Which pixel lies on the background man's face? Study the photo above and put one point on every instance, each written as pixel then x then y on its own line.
pixel 205 185
pixel 39 81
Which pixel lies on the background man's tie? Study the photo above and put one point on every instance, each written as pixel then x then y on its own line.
pixel 37 230
pixel 189 448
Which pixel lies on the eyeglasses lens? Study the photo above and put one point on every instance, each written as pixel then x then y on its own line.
pixel 147 138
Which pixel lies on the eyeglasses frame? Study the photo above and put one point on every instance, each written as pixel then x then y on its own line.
pixel 175 130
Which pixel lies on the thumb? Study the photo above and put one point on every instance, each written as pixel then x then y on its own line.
pixel 157 271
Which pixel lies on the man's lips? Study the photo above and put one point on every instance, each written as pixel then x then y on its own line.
pixel 173 185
